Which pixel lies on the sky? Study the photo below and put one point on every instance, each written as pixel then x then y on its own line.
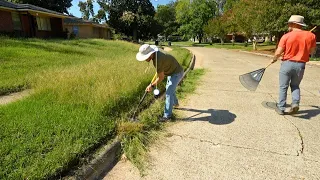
pixel 75 9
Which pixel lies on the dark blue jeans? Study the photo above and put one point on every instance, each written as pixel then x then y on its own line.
pixel 291 73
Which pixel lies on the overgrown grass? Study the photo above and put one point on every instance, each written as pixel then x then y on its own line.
pixel 80 88
pixel 137 136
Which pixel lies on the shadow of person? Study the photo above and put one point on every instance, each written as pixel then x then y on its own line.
pixel 214 116
pixel 308 114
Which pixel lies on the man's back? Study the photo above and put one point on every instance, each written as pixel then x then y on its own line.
pixel 167 64
pixel 297 45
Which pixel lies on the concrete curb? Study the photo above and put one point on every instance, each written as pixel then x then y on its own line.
pixel 259 54
pixel 110 154
pixel 102 163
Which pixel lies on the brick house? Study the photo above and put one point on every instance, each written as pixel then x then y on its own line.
pixel 25 20
pixel 87 29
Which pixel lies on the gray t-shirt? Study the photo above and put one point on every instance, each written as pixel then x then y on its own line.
pixel 167 64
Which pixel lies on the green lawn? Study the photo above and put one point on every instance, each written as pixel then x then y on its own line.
pixel 240 46
pixel 314 59
pixel 80 88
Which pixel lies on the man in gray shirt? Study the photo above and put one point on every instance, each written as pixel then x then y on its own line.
pixel 166 65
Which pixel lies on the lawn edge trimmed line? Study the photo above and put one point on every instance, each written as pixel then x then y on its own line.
pixel 110 156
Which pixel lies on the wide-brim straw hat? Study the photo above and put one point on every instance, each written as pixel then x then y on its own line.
pixel 297 19
pixel 145 52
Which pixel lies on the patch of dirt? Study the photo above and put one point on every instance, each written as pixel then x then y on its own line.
pixel 167 49
pixel 14 97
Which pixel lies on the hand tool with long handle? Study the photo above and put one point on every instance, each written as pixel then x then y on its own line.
pixel 142 99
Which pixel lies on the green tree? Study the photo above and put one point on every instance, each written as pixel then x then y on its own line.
pixel 194 15
pixel 86 8
pixel 166 17
pixel 102 12
pixel 133 18
pixel 279 11
pixel 216 27
pixel 54 5
pixel 271 16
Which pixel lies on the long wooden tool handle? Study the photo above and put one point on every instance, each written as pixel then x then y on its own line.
pixel 154 78
pixel 313 28
pixel 269 65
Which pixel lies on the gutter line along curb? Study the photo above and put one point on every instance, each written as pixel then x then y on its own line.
pixel 259 54
pixel 102 164
pixel 110 154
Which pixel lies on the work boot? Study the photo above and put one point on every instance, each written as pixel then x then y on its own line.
pixel 164 119
pixel 279 111
pixel 294 109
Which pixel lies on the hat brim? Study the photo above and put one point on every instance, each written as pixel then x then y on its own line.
pixel 143 57
pixel 301 24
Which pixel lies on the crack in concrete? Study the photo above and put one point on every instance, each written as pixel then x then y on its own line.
pixel 233 146
pixel 300 151
pixel 306 159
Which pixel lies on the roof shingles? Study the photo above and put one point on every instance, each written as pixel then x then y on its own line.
pixel 21 7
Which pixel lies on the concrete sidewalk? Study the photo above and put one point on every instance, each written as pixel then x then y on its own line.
pixel 226 133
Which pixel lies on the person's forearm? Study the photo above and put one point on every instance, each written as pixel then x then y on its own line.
pixel 313 50
pixel 278 53
pixel 157 81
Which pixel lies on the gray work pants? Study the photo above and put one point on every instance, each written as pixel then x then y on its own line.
pixel 291 73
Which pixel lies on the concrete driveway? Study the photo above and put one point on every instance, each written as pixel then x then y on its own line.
pixel 228 134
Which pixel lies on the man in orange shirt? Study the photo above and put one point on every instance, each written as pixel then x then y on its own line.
pixel 296 45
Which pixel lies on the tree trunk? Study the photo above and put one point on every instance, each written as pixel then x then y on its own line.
pixel 278 36
pixel 135 35
pixel 254 45
pixel 200 38
pixel 270 36
pixel 233 39
pixel 221 41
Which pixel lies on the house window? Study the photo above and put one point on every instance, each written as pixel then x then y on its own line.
pixel 75 30
pixel 16 21
pixel 43 24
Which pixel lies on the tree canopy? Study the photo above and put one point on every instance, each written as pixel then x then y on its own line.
pixel 194 15
pixel 133 18
pixel 251 17
pixel 166 17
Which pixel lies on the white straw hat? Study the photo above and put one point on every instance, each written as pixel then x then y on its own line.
pixel 145 52
pixel 297 19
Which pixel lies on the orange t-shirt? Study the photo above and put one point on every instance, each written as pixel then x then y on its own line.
pixel 297 45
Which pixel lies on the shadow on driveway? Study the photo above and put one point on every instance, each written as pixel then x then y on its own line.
pixel 305 114
pixel 308 114
pixel 215 116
